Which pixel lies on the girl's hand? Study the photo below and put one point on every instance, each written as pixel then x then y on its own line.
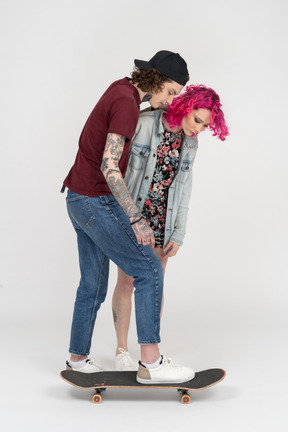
pixel 171 249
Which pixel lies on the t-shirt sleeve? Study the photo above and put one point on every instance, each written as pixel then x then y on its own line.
pixel 123 119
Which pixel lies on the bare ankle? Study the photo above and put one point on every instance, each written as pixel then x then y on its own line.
pixel 77 358
pixel 121 347
pixel 149 353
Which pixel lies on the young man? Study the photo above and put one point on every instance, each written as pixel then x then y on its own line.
pixel 108 223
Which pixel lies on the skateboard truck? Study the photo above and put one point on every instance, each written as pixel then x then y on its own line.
pixel 185 397
pixel 97 398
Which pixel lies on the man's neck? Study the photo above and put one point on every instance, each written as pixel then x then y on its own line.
pixel 140 92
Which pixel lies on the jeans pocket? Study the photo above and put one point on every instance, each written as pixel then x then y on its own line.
pixel 80 210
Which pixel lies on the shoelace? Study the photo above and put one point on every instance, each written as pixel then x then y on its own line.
pixel 170 362
pixel 92 364
pixel 125 357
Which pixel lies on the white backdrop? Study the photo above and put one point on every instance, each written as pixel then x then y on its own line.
pixel 57 58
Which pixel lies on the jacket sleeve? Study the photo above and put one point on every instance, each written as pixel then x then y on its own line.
pixel 179 228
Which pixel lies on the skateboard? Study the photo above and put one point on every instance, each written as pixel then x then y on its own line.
pixel 100 381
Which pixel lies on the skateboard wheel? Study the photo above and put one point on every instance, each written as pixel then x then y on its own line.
pixel 186 399
pixel 97 398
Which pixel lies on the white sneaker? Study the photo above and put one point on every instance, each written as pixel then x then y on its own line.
pixel 167 372
pixel 124 362
pixel 89 367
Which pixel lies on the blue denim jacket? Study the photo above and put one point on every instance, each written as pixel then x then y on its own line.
pixel 141 166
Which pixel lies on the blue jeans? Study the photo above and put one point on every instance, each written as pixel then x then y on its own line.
pixel 104 232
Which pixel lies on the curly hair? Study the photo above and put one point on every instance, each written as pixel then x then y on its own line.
pixel 150 80
pixel 195 97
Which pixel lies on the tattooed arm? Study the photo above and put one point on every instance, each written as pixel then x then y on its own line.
pixel 109 167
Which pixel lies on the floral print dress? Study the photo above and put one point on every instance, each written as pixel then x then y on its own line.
pixel 155 206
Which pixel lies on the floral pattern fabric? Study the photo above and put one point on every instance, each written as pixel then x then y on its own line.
pixel 155 206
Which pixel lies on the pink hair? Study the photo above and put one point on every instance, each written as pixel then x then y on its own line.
pixel 196 97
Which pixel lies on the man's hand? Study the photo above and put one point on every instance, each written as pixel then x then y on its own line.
pixel 144 233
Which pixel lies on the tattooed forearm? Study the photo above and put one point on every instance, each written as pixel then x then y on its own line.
pixel 109 173
pixel 119 189
pixel 109 167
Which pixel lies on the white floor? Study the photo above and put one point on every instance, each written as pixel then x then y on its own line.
pixel 253 396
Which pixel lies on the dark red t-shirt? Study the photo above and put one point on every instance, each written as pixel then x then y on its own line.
pixel 116 112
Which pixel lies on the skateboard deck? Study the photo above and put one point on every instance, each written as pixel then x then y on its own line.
pixel 100 381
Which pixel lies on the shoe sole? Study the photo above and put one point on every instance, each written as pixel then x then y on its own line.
pixel 158 381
